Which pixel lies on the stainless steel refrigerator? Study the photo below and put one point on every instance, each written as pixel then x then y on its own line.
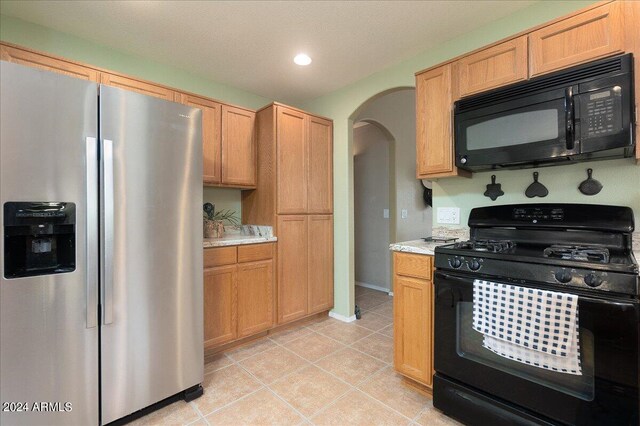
pixel 101 262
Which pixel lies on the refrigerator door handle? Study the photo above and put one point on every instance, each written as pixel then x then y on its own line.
pixel 92 231
pixel 107 232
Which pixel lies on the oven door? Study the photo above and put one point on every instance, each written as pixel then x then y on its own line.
pixel 605 393
pixel 535 128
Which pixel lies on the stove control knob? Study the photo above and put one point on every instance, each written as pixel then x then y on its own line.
pixel 455 262
pixel 563 276
pixel 475 265
pixel 592 280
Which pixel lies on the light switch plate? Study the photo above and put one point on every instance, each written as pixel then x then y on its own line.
pixel 449 215
pixel 405 213
pixel 385 213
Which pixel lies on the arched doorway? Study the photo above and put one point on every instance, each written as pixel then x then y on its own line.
pixel 390 117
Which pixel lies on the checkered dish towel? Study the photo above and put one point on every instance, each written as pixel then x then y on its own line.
pixel 532 326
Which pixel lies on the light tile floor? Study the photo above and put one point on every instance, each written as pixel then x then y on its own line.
pixel 324 373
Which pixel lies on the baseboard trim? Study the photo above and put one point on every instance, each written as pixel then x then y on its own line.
pixel 374 287
pixel 342 318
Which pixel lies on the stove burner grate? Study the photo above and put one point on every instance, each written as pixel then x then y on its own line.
pixel 494 246
pixel 578 253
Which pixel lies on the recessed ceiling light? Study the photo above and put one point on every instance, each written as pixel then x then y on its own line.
pixel 302 59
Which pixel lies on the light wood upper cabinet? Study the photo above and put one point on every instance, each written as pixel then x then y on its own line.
pixel 291 161
pixel 434 121
pixel 36 60
pixel 255 297
pixel 211 134
pixel 220 309
pixel 137 86
pixel 413 319
pixel 239 154
pixel 496 66
pixel 320 184
pixel 320 269
pixel 292 267
pixel 581 38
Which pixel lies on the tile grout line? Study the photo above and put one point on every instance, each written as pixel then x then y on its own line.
pixel 195 407
pixel 266 386
pixel 385 405
pixel 233 402
pixel 350 387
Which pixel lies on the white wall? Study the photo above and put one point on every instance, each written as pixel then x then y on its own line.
pixel 396 112
pixel 371 173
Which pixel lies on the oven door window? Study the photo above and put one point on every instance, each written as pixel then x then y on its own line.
pixel 469 346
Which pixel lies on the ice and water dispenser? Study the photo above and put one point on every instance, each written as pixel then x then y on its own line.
pixel 39 238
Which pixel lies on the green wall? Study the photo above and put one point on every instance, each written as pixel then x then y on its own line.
pixel 343 104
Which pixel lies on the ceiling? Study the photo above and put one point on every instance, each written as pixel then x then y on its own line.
pixel 251 44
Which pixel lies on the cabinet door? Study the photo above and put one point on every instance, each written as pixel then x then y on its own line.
pixel 211 133
pixel 320 189
pixel 496 66
pixel 320 255
pixel 238 147
pixel 590 35
pixel 220 316
pixel 36 60
pixel 291 153
pixel 255 297
pixel 137 86
pixel 292 267
pixel 434 143
pixel 413 332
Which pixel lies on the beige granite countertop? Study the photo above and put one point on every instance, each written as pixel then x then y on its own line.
pixel 239 235
pixel 236 240
pixel 415 246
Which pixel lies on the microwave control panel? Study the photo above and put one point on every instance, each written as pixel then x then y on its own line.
pixel 601 112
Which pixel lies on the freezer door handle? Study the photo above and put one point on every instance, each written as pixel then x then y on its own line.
pixel 92 231
pixel 107 232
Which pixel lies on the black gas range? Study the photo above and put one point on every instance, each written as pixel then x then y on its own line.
pixel 571 248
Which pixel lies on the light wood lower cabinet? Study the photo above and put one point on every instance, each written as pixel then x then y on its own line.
pixel 305 265
pixel 292 267
pixel 220 307
pixel 320 260
pixel 238 296
pixel 255 297
pixel 413 316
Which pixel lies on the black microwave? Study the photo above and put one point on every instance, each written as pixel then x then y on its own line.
pixel 581 113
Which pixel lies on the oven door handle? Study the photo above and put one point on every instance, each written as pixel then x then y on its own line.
pixel 454 294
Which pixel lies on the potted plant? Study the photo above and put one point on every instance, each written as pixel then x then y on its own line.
pixel 214 221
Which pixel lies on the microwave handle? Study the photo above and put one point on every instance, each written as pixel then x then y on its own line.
pixel 569 124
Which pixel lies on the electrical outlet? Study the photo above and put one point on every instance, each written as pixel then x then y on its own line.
pixel 405 213
pixel 449 215
pixel 385 213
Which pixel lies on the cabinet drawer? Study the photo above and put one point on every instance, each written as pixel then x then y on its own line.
pixel 253 252
pixel 219 256
pixel 413 265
